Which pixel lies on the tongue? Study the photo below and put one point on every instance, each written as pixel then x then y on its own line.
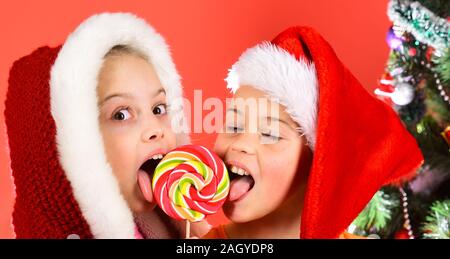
pixel 145 185
pixel 239 187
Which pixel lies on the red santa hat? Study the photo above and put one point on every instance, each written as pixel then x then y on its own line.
pixel 64 184
pixel 359 143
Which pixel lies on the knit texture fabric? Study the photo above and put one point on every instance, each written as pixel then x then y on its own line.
pixel 45 206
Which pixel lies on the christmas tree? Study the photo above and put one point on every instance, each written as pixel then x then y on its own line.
pixel 416 83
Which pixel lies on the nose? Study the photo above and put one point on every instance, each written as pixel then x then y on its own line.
pixel 152 134
pixel 152 131
pixel 245 143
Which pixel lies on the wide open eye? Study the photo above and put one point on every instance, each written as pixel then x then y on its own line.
pixel 121 115
pixel 160 109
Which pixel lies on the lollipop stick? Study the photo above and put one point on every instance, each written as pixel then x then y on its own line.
pixel 188 229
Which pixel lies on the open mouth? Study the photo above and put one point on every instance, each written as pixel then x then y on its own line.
pixel 145 175
pixel 150 165
pixel 241 183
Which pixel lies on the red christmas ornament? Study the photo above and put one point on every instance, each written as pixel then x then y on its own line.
pixel 429 53
pixel 412 52
pixel 386 84
pixel 446 134
pixel 401 234
pixel 387 76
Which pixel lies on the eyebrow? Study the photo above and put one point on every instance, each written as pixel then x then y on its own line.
pixel 235 110
pixel 277 119
pixel 122 95
pixel 160 90
pixel 129 96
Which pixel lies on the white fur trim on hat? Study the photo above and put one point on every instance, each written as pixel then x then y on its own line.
pixel 286 80
pixel 74 108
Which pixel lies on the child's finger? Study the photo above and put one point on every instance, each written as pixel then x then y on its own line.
pixel 200 228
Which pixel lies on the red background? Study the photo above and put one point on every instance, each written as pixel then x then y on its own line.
pixel 205 36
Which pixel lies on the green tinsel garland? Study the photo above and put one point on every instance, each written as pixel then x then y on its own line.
pixel 421 23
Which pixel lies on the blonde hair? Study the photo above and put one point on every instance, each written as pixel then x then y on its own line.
pixel 119 50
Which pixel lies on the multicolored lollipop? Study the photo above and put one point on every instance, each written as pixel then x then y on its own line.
pixel 190 182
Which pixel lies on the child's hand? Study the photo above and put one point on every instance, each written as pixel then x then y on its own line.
pixel 199 229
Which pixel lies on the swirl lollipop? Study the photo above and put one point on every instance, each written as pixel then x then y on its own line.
pixel 190 182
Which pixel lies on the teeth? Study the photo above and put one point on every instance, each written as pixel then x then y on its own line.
pixel 239 171
pixel 158 156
